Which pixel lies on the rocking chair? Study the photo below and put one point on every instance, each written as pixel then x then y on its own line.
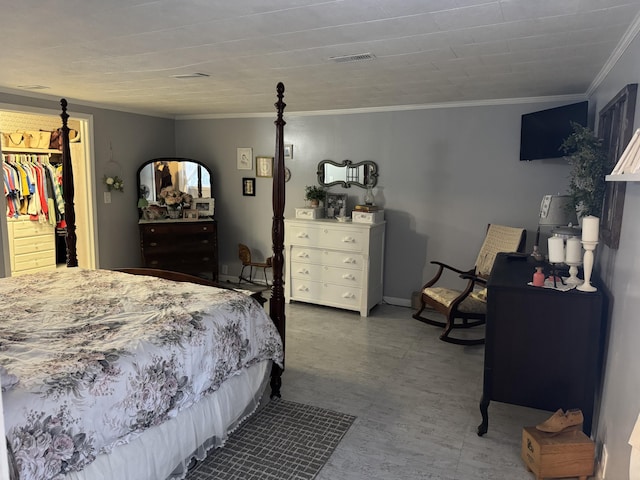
pixel 244 253
pixel 469 304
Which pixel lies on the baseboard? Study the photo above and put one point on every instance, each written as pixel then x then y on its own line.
pixel 233 280
pixel 399 302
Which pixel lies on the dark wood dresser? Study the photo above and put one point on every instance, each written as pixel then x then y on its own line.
pixel 543 347
pixel 187 246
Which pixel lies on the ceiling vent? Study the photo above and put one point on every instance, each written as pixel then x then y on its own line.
pixel 190 75
pixel 33 87
pixel 358 57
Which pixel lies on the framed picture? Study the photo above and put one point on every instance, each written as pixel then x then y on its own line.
pixel 204 206
pixel 190 214
pixel 334 203
pixel 616 127
pixel 245 158
pixel 288 152
pixel 249 187
pixel 264 166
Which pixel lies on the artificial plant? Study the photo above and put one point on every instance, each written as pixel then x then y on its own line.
pixel 589 165
pixel 314 193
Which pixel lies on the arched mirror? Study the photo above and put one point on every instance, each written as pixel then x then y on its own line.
pixel 346 173
pixel 184 174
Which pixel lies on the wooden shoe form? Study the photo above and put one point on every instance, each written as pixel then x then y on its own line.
pixel 562 421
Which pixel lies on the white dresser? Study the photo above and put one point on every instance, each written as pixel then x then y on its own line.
pixel 32 245
pixel 334 264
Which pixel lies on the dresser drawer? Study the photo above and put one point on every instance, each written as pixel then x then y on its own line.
pixel 181 263
pixel 39 260
pixel 157 244
pixel 326 293
pixel 177 229
pixel 327 257
pixel 328 274
pixel 327 237
pixel 41 243
pixel 30 228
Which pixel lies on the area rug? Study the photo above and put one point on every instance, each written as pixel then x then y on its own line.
pixel 285 440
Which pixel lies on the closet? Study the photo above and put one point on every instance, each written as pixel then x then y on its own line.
pixel 34 243
pixel 32 180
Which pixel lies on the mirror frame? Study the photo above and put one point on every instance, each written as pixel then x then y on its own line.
pixel 175 159
pixel 373 173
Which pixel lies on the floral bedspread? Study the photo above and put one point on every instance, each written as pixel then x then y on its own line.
pixel 99 356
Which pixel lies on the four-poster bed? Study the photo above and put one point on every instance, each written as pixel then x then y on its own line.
pixel 190 363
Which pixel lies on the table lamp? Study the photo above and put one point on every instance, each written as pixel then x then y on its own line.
pixel 556 211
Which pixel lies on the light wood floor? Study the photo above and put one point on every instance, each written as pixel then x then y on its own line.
pixel 416 397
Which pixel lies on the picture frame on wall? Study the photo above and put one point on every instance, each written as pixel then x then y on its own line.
pixel 245 158
pixel 334 204
pixel 264 167
pixel 288 152
pixel 616 127
pixel 249 187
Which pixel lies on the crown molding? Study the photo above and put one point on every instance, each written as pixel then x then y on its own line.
pixel 622 46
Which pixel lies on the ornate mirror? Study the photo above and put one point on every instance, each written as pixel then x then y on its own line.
pixel 361 174
pixel 184 174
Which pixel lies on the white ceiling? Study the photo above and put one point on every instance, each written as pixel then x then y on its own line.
pixel 123 54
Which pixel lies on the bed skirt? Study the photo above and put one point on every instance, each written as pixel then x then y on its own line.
pixel 165 451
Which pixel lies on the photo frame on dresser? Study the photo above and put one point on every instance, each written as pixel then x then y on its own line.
pixel 204 206
pixel 190 214
pixel 334 204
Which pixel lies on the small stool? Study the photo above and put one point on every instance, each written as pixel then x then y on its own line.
pixel 562 455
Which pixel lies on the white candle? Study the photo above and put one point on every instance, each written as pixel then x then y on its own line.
pixel 556 250
pixel 574 250
pixel 590 226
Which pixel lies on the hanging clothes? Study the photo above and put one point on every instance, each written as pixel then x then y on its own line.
pixel 31 186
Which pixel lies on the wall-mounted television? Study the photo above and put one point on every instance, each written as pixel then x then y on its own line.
pixel 542 133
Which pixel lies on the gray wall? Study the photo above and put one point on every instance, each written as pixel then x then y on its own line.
pixel 621 271
pixel 444 175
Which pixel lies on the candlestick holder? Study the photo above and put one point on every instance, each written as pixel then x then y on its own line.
pixel 587 263
pixel 573 273
pixel 556 275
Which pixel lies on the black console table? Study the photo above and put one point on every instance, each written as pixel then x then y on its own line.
pixel 543 347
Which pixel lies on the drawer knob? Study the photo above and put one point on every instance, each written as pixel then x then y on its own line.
pixel 204 228
pixel 152 230
pixel 153 244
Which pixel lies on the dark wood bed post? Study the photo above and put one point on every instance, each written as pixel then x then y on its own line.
pixel 67 190
pixel 276 305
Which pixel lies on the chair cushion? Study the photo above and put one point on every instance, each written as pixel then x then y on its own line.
pixel 446 296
